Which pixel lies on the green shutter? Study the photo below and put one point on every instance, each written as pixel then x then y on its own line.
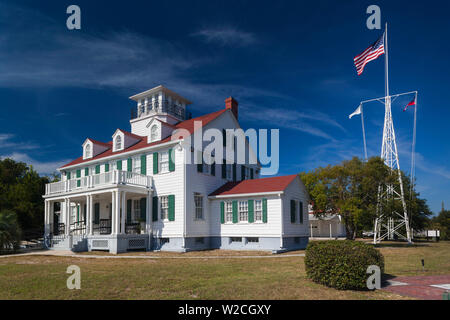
pixel 155 209
pixel 224 137
pixel 97 169
pixel 301 212
pixel 97 213
pixel 264 207
pixel 106 167
pixel 144 164
pixel 235 211
pixel 250 211
pixel 78 173
pixel 128 210
pixel 129 165
pixel 144 209
pixel 222 212
pixel 119 165
pixel 171 207
pixel 251 173
pixel 78 213
pixel 292 211
pixel 155 163
pixel 86 172
pixel 68 175
pixel 213 168
pixel 234 171
pixel 84 213
pixel 242 172
pixel 171 160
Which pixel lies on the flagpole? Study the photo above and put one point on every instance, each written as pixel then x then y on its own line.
pixel 364 133
pixel 386 62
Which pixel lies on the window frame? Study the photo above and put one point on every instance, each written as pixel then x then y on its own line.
pixel 243 211
pixel 228 211
pixel 164 210
pixel 197 201
pixel 161 162
pixel 256 210
pixel 118 143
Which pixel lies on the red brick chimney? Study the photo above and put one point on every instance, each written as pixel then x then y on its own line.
pixel 232 104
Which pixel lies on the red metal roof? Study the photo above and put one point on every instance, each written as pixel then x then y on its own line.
pixel 108 145
pixel 142 143
pixel 271 184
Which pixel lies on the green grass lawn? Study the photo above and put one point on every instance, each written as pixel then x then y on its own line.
pixel 44 277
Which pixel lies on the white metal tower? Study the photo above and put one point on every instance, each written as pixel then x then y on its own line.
pixel 389 223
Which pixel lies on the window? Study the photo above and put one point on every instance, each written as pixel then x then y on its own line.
pixel 87 151
pixel 118 142
pixel 229 172
pixel 198 202
pixel 164 206
pixel 243 211
pixel 236 239
pixel 164 162
pixel 253 240
pixel 154 133
pixel 137 164
pixel 246 173
pixel 258 210
pixel 136 210
pixel 228 211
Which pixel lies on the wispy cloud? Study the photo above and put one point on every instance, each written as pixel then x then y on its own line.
pixel 42 167
pixel 6 141
pixel 226 36
pixel 307 121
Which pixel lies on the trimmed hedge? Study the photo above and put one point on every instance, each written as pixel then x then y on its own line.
pixel 341 264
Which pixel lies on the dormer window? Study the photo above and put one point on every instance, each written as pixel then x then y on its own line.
pixel 88 151
pixel 118 143
pixel 154 133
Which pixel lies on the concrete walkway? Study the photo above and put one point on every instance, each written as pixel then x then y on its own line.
pixel 62 253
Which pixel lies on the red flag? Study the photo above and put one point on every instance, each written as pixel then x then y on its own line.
pixel 412 103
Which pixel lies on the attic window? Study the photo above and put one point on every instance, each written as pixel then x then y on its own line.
pixel 88 151
pixel 154 133
pixel 118 143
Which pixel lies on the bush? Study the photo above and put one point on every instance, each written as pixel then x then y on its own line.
pixel 9 232
pixel 341 264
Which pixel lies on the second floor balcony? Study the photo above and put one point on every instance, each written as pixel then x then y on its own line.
pixel 112 178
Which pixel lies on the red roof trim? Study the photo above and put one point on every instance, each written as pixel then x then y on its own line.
pixel 272 184
pixel 142 143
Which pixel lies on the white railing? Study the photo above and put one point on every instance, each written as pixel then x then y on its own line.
pixel 107 178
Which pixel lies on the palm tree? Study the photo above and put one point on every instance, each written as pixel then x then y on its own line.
pixel 9 231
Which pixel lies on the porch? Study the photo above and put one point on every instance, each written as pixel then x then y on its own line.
pixel 99 214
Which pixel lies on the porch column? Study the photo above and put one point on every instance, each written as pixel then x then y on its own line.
pixel 88 215
pixel 117 207
pixel 122 218
pixel 67 212
pixel 91 214
pixel 46 218
pixel 149 205
pixel 113 213
pixel 330 231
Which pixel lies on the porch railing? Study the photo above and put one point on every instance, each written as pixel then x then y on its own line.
pixel 102 227
pixel 107 178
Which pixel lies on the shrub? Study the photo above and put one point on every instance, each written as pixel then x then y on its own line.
pixel 9 231
pixel 341 264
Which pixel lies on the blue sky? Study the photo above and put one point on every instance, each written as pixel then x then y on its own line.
pixel 289 64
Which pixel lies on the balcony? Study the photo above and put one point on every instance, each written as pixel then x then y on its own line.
pixel 112 178
pixel 156 106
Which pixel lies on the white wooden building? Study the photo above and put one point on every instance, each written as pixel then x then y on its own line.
pixel 142 190
pixel 328 226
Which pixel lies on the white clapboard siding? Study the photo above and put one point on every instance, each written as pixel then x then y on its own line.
pixel 270 229
pixel 297 191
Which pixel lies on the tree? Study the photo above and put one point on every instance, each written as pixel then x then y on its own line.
pixel 10 232
pixel 442 223
pixel 350 189
pixel 21 190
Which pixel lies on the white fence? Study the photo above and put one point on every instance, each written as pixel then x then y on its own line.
pixel 107 178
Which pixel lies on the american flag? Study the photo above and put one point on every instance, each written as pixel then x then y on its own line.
pixel 371 53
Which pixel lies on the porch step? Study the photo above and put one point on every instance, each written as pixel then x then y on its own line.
pixel 79 244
